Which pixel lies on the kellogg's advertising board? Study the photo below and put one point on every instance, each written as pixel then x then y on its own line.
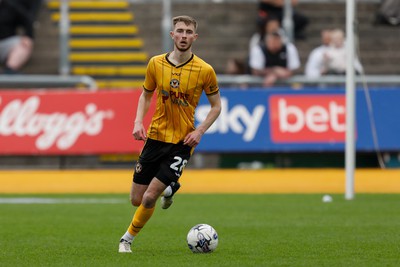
pixel 67 122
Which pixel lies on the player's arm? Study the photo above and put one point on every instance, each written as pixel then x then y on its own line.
pixel 193 138
pixel 139 132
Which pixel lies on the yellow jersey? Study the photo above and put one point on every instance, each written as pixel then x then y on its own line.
pixel 178 92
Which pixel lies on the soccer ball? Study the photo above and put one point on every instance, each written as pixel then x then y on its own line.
pixel 202 238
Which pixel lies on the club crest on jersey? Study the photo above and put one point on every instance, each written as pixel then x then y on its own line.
pixel 174 83
pixel 138 167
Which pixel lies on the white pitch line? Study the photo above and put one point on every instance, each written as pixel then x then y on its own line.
pixel 38 200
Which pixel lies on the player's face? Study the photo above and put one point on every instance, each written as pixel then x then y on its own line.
pixel 183 36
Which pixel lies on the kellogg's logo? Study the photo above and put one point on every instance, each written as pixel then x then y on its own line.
pixel 21 118
pixel 307 118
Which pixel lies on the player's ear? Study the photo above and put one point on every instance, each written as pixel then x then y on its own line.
pixel 171 33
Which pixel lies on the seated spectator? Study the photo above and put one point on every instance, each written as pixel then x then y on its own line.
pixel 235 66
pixel 274 59
pixel 315 62
pixel 265 26
pixel 16 32
pixel 330 57
pixel 275 8
pixel 389 13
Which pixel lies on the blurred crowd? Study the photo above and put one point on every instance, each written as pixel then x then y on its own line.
pixel 273 56
pixel 17 19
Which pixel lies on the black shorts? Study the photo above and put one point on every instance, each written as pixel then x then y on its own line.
pixel 165 161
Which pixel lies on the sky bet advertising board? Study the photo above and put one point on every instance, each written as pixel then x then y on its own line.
pixel 74 122
pixel 306 120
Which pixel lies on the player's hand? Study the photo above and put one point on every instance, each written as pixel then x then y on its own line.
pixel 193 138
pixel 139 133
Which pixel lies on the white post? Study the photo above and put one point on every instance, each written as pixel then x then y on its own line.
pixel 64 23
pixel 350 101
pixel 166 26
pixel 287 22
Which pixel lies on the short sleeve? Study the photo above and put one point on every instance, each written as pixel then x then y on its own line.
pixel 150 80
pixel 210 82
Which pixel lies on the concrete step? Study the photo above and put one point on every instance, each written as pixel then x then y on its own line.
pixel 106 43
pixel 103 29
pixel 119 83
pixel 90 5
pixel 96 17
pixel 94 57
pixel 109 70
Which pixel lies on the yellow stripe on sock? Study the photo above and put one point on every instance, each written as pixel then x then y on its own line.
pixel 142 215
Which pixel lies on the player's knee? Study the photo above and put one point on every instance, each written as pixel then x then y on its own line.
pixel 149 200
pixel 135 201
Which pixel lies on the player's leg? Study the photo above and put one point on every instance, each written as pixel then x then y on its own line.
pixel 136 195
pixel 143 190
pixel 166 199
pixel 143 213
pixel 146 208
pixel 171 170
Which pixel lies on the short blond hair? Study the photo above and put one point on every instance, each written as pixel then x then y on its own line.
pixel 185 19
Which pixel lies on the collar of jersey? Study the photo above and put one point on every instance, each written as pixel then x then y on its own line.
pixel 181 65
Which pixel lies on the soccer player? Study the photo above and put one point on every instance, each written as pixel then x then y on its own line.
pixel 179 77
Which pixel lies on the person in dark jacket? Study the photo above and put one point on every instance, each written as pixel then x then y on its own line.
pixel 16 33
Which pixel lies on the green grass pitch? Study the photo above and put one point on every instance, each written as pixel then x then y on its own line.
pixel 254 230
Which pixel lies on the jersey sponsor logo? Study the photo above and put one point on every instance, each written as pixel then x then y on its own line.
pixel 311 118
pixel 164 96
pixel 177 98
pixel 174 83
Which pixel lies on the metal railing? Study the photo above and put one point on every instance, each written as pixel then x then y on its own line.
pixel 46 81
pixel 256 81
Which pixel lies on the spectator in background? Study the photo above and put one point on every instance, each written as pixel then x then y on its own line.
pixel 235 66
pixel 275 8
pixel 388 13
pixel 265 26
pixel 274 59
pixel 330 59
pixel 315 62
pixel 16 32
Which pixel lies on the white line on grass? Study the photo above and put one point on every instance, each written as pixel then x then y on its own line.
pixel 38 200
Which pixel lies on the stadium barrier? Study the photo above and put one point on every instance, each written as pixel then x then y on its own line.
pixel 71 122
pixel 47 81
